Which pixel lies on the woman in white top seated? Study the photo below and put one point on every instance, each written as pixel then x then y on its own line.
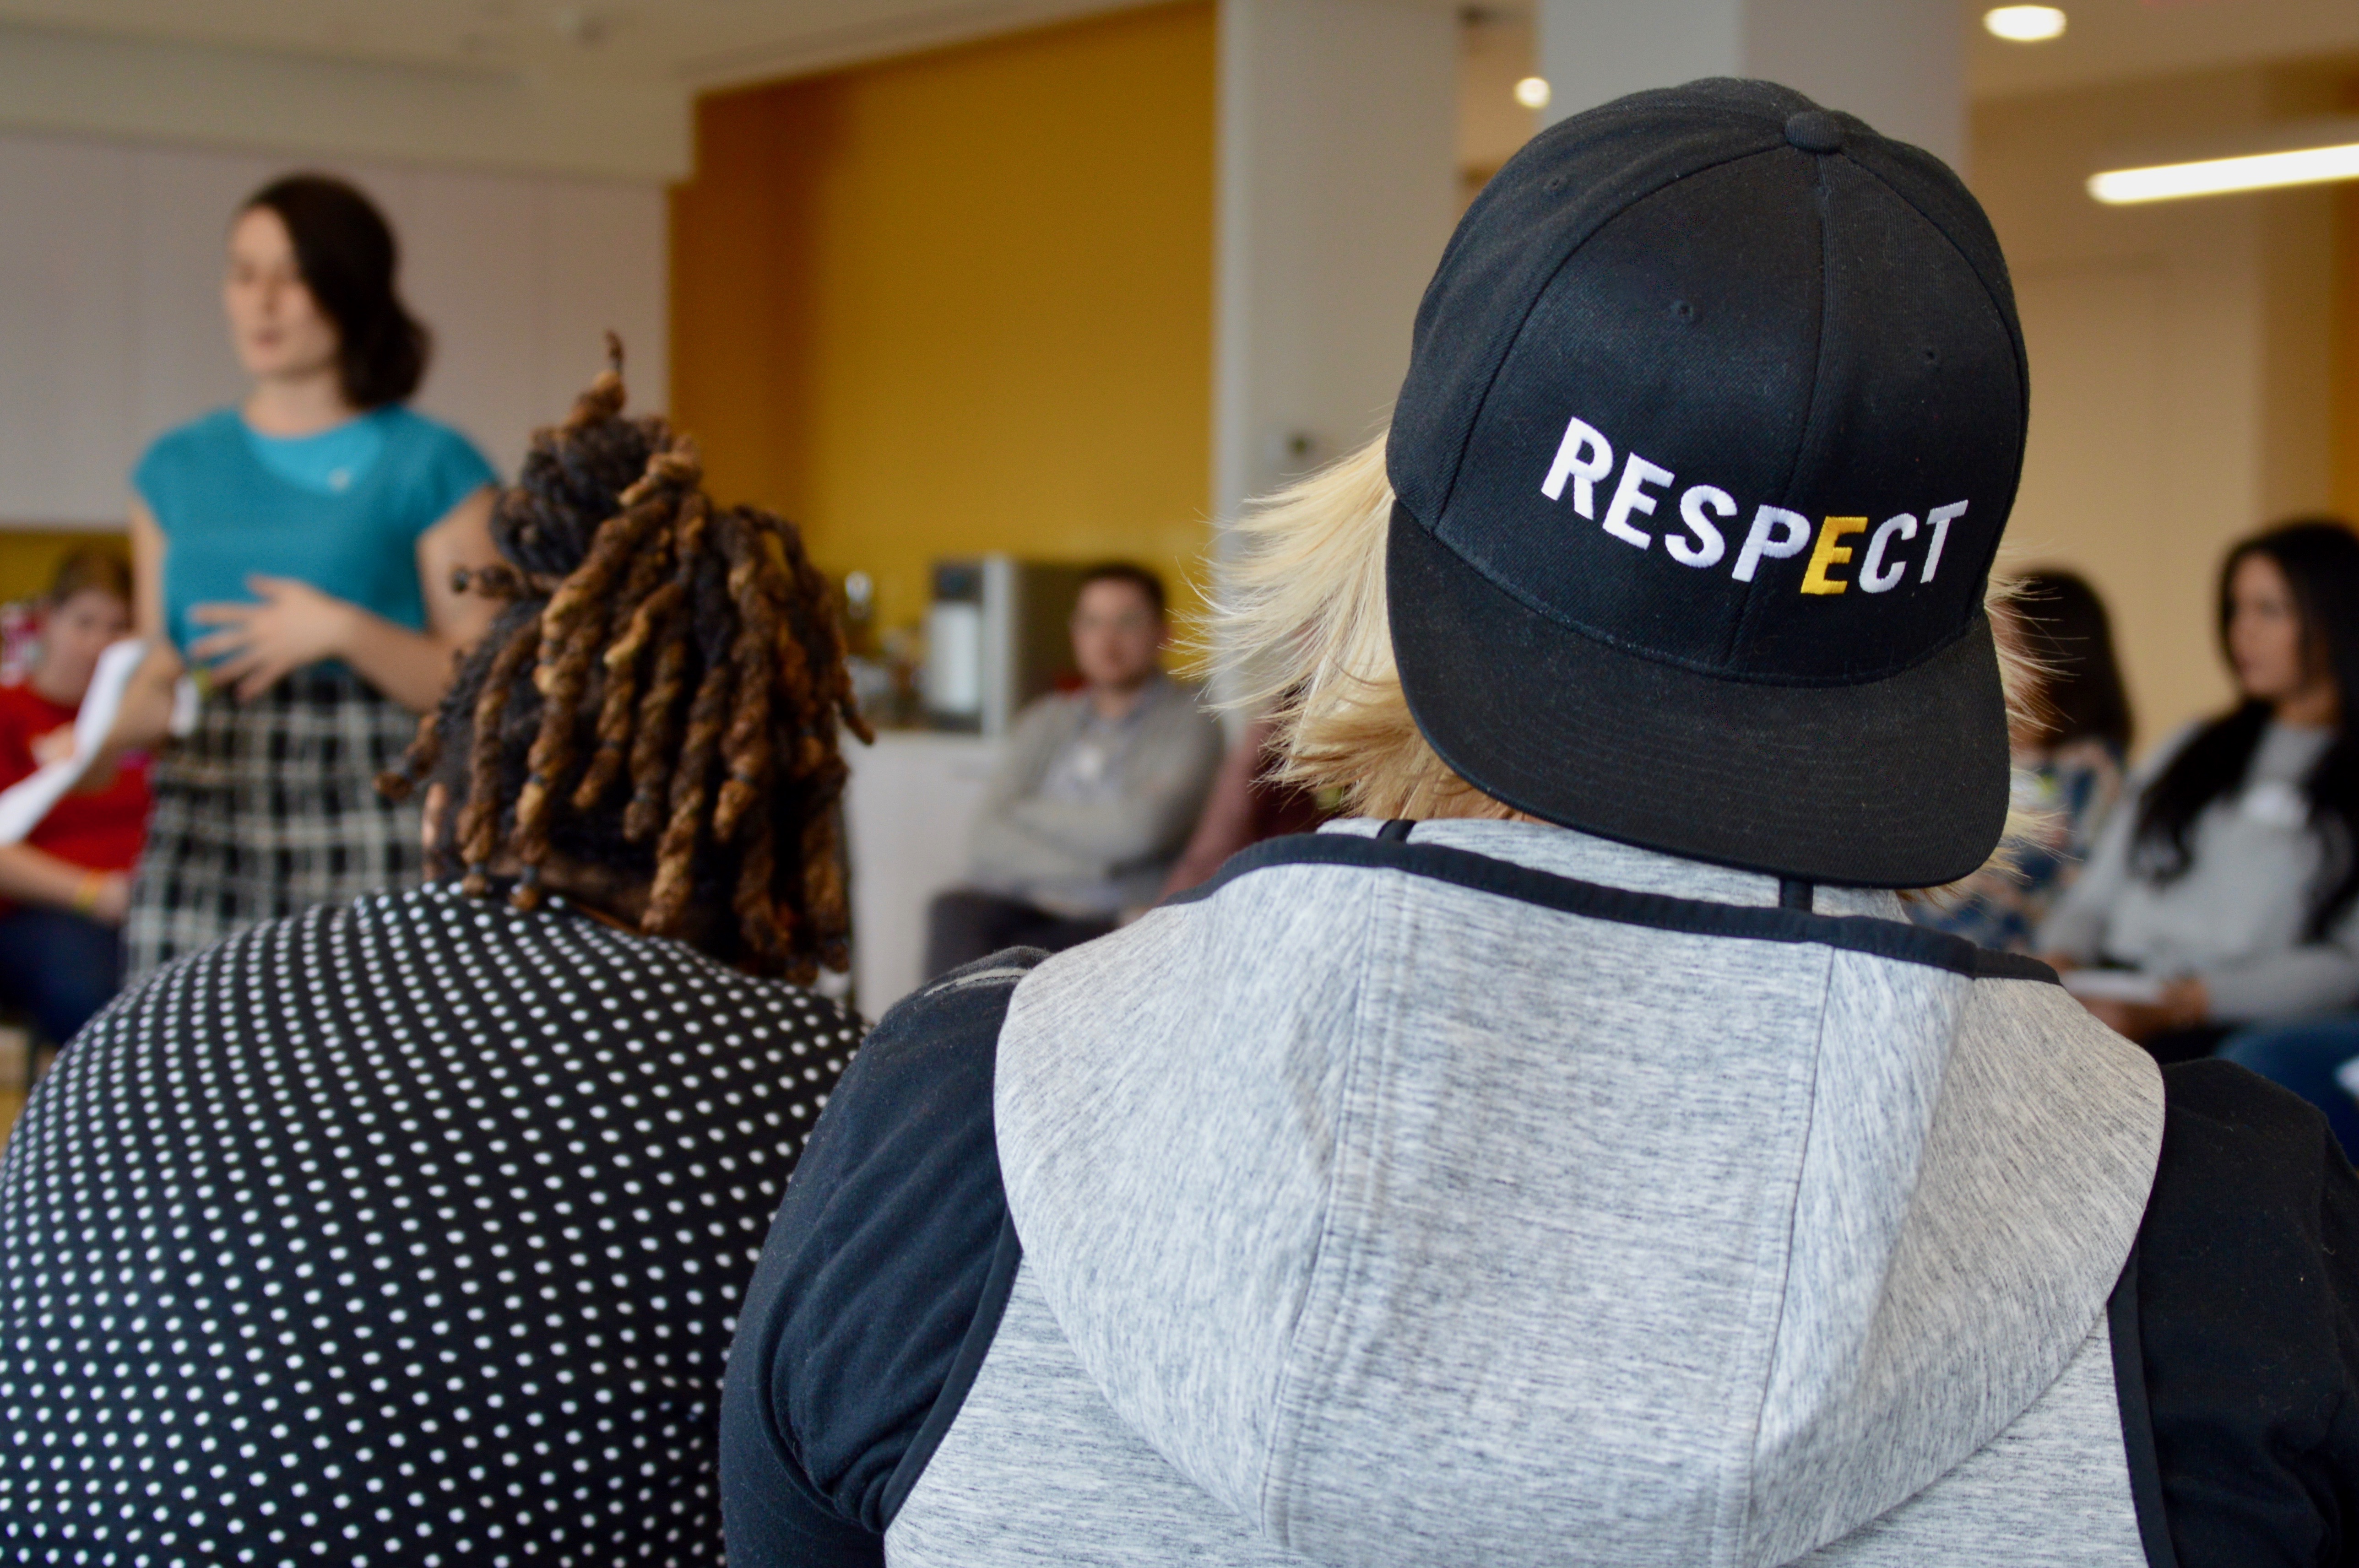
pixel 2229 876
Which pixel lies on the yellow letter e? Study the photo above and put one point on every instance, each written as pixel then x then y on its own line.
pixel 1830 554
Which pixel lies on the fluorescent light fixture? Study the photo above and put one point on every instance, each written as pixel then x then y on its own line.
pixel 2025 24
pixel 1532 93
pixel 2220 175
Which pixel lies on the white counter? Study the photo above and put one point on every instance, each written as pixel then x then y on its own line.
pixel 910 804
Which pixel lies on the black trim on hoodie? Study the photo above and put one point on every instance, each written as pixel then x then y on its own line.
pixel 1007 1255
pixel 880 1288
pixel 2247 1342
pixel 1762 923
pixel 2234 1326
pixel 2137 1420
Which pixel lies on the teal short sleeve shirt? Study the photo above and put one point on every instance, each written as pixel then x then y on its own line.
pixel 341 510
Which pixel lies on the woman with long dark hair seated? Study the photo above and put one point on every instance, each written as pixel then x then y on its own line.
pixel 411 1231
pixel 2228 880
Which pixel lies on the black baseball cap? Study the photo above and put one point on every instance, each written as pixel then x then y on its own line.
pixel 1713 417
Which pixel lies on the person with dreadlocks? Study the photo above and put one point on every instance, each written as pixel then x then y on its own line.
pixel 412 1230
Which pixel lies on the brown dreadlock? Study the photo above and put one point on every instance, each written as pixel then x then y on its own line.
pixel 659 697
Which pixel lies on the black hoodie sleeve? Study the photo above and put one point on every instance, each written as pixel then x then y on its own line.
pixel 880 1287
pixel 2248 1320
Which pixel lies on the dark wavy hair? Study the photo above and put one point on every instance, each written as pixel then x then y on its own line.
pixel 2065 627
pixel 2320 559
pixel 346 251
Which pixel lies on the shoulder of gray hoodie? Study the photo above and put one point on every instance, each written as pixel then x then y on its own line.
pixel 1464 1199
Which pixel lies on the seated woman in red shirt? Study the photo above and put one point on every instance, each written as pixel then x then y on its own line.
pixel 67 885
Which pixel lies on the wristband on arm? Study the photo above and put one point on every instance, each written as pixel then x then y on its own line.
pixel 88 892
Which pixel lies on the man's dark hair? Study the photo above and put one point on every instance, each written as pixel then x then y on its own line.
pixel 2065 628
pixel 346 253
pixel 1131 572
pixel 2320 559
pixel 659 699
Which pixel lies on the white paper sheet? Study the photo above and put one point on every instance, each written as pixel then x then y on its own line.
pixel 2115 985
pixel 24 804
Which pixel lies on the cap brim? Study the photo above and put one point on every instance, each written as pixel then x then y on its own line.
pixel 1895 783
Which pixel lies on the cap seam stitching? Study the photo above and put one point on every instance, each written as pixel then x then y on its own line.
pixel 1741 623
pixel 2009 319
pixel 1278 1494
pixel 1457 468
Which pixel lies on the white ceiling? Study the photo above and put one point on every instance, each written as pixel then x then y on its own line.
pixel 708 42
pixel 697 42
pixel 2109 40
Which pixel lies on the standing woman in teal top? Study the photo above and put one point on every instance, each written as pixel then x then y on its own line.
pixel 297 552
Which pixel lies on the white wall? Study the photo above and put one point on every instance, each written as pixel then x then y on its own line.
pixel 1898 64
pixel 110 314
pixel 2181 371
pixel 1338 125
pixel 197 94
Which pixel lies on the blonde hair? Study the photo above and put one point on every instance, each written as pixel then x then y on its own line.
pixel 1298 628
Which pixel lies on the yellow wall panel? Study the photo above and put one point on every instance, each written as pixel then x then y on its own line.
pixel 962 301
pixel 29 557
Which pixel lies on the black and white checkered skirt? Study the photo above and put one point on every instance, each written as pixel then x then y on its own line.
pixel 271 808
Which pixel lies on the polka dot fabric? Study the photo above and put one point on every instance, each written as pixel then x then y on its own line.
pixel 410 1231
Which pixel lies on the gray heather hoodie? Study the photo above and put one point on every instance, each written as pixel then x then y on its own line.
pixel 1414 1210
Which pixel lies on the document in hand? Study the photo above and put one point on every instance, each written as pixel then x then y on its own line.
pixel 2108 985
pixel 24 804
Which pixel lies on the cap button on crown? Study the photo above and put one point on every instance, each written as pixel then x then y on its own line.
pixel 1814 130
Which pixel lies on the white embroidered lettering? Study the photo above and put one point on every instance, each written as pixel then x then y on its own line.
pixel 1872 577
pixel 1631 496
pixel 1709 545
pixel 1584 457
pixel 1938 520
pixel 1793 532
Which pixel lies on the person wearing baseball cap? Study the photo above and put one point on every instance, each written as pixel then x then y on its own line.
pixel 1576 1157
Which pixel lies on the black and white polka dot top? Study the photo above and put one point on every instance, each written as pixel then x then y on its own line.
pixel 409 1231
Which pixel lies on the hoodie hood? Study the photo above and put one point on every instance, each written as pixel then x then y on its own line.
pixel 1419 1208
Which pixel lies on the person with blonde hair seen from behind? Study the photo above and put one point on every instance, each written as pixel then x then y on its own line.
pixel 409 1231
pixel 2227 888
pixel 297 552
pixel 1577 1155
pixel 68 884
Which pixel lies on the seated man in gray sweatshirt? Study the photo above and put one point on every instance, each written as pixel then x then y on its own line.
pixel 1095 794
pixel 1576 1156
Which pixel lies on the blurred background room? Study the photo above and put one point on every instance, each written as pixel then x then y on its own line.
pixel 989 295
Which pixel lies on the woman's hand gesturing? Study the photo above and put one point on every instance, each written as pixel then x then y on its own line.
pixel 260 644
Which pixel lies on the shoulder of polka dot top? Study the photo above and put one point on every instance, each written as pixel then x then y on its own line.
pixel 401 1231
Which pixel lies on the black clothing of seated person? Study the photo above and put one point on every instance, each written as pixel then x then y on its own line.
pixel 1095 796
pixel 412 1230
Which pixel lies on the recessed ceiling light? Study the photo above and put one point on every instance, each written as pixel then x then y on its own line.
pixel 1532 93
pixel 2220 175
pixel 2025 24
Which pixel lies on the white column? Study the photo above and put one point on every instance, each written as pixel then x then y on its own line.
pixel 1337 123
pixel 1898 64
